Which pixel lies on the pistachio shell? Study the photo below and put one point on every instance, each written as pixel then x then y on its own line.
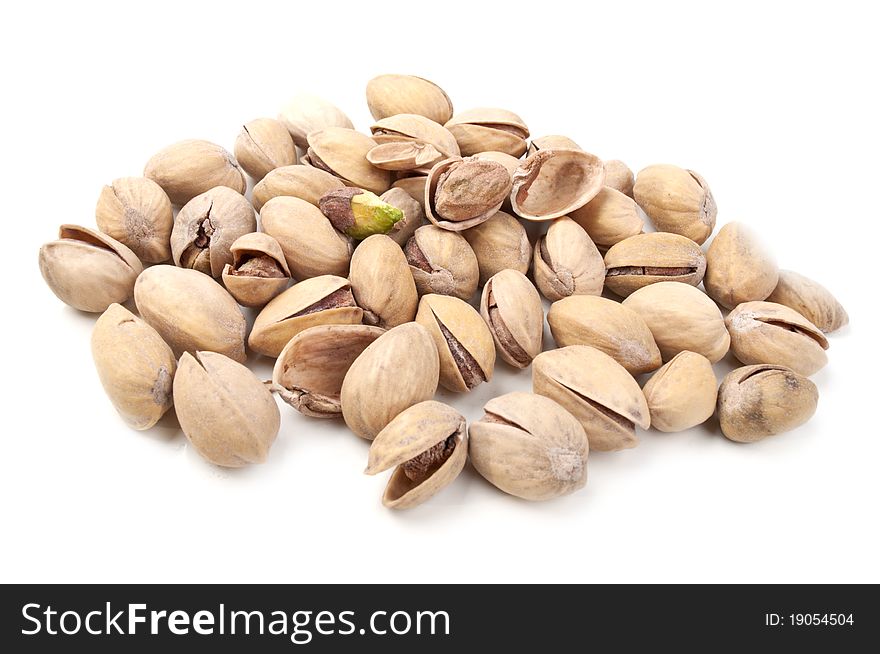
pixel 512 309
pixel 646 259
pixel 609 218
pixel 404 156
pixel 682 393
pixel 189 168
pixel 810 299
pixel 499 243
pixel 414 187
pixel 137 213
pixel 258 271
pixel 567 262
pixel 412 127
pixel 413 215
pixel 388 95
pixel 303 182
pixel 738 269
pixel 486 128
pixel 552 142
pixel 462 193
pixel 676 200
pixel 305 114
pixel 382 284
pixel 263 145
pixel 552 183
pixel 343 152
pixel 619 177
pixel 509 162
pixel 442 262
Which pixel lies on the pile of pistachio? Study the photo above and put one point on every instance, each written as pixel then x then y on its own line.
pixel 419 254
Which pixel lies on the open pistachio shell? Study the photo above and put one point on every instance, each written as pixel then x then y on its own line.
pixel 553 183
pixel 303 182
pixel 343 152
pixel 442 262
pixel 462 193
pixel 404 156
pixel 609 218
pixel 488 128
pixel 412 127
pixel 810 299
pixel 646 259
pixel 567 262
pixel 512 309
pixel 382 284
pixel 388 95
pixel 305 114
pixel 188 168
pixel 258 271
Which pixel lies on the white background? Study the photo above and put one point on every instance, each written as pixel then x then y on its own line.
pixel 774 103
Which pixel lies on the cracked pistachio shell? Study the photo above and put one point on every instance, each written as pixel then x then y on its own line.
pixel 676 200
pixel 567 262
pixel 404 156
pixel 738 269
pixel 190 311
pixel 414 187
pixel 88 270
pixel 462 193
pixel 207 226
pixel 553 183
pixel 389 95
pixel 311 245
pixel 530 447
pixel 413 215
pixel 619 176
pixel 309 371
pixel 646 259
pixel 766 332
pixel 442 262
pixel 597 391
pixel 682 393
pixel 322 300
pixel 551 142
pixel 343 152
pixel 137 213
pixel 488 128
pixel 263 145
pixel 609 218
pixel 298 181
pixel 188 168
pixel 258 271
pixel 305 114
pixel 382 284
pixel 135 366
pixel 499 243
pixel 463 340
pixel 228 415
pixel 399 369
pixel 426 445
pixel 413 127
pixel 810 299
pixel 512 309
pixel 762 400
pixel 681 317
pixel 608 326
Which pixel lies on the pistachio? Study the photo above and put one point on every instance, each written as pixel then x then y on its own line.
pixel 551 142
pixel 343 153
pixel 676 200
pixel 190 311
pixel 766 332
pixel 810 299
pixel 609 218
pixel 311 245
pixel 464 342
pixel 462 193
pixel 399 369
pixel 135 366
pixel 358 213
pixel 305 114
pixel 646 259
pixel 227 414
pixel 426 445
pixel 608 326
pixel 567 262
pixel 388 95
pixel 682 393
pixel 413 215
pixel 137 213
pixel 759 401
pixel 442 262
pixel 737 267
pixel 322 300
pixel 189 168
pixel 88 270
pixel 382 284
pixel 552 183
pixel 530 447
pixel 499 243
pixel 404 156
pixel 414 187
pixel 482 129
pixel 597 391
pixel 206 227
pixel 309 371
pixel 258 271
pixel 413 128
pixel 619 177
pixel 512 309
pixel 262 146
pixel 303 182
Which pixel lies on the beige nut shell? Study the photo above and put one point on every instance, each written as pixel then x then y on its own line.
pixel 304 114
pixel 655 250
pixel 738 269
pixel 567 262
pixel 344 151
pixel 554 183
pixel 511 307
pixel 298 181
pixel 489 129
pixel 442 262
pixel 810 299
pixel 499 243
pixel 262 146
pixel 682 393
pixel 255 291
pixel 382 284
pixel 676 200
pixel 388 95
pixel 609 218
pixel 137 213
pixel 187 168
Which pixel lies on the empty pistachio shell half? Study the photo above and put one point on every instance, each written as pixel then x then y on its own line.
pixel 681 317
pixel 762 400
pixel 442 262
pixel 414 187
pixel 551 142
pixel 309 371
pixel 597 391
pixel 413 128
pixel 382 284
pixel 399 369
pixel 320 300
pixel 766 332
pixel 567 262
pixel 609 218
pixel 426 445
pixel 404 156
pixel 810 299
pixel 303 182
pixel 676 200
pixel 463 340
pixel 388 95
pixel 188 168
pixel 529 446
pixel 343 153
pixel 137 213
pixel 462 193
pixel 413 215
pixel 682 393
pixel 619 176
pixel 206 227
pixel 190 311
pixel 553 183
pixel 305 114
pixel 646 259
pixel 512 309
pixel 738 269
pixel 500 243
pixel 88 270
pixel 135 366
pixel 359 213
pixel 263 145
pixel 228 415
pixel 258 271
pixel 488 128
